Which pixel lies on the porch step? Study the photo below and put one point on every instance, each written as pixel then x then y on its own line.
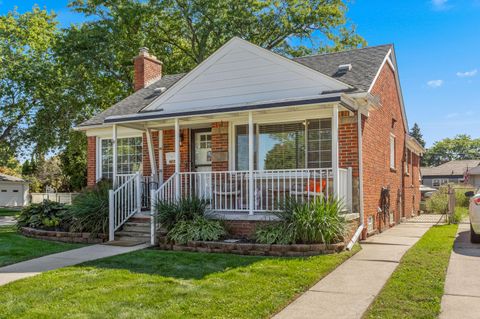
pixel 132 236
pixel 138 228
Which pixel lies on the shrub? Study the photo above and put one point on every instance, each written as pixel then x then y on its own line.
pixel 89 210
pixel 319 221
pixel 437 203
pixel 460 199
pixel 47 215
pixel 186 209
pixel 277 233
pixel 199 228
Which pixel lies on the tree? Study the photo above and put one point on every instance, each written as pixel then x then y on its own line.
pixel 417 134
pixel 461 147
pixel 25 65
pixel 74 163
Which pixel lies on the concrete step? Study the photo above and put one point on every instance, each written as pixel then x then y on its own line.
pixel 136 229
pixel 139 219
pixel 124 233
pixel 132 239
pixel 136 224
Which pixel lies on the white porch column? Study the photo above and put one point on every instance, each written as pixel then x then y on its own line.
pixel 160 156
pixel 115 155
pixel 335 153
pixel 151 154
pixel 177 159
pixel 251 163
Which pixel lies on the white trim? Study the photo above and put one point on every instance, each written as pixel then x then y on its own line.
pixel 98 152
pixel 235 42
pixel 379 71
pixel 335 152
pixel 391 60
pixel 392 153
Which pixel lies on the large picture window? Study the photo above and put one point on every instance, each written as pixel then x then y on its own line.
pixel 129 156
pixel 286 145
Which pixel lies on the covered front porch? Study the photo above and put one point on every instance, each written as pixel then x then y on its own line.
pixel 247 163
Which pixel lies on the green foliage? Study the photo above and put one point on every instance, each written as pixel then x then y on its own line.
pixel 89 210
pixel 73 162
pixel 199 228
pixel 46 215
pixel 461 147
pixel 416 287
pixel 437 203
pixel 319 221
pixel 275 234
pixel 185 209
pixel 417 134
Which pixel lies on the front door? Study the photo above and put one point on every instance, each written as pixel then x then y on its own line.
pixel 202 162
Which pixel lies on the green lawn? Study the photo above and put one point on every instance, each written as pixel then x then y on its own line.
pixel 8 212
pixel 161 284
pixel 15 248
pixel 415 289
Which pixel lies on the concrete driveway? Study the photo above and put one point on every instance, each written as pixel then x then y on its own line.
pixel 462 285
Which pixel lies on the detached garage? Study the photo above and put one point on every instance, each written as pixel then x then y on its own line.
pixel 13 191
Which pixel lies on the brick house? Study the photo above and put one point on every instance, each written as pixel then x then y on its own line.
pixel 247 129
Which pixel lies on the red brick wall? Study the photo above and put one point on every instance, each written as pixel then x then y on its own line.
pixel 169 146
pixel 220 146
pixel 376 149
pixel 91 161
pixel 147 167
pixel 348 142
pixel 412 187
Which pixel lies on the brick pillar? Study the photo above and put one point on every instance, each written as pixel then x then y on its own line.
pixel 220 146
pixel 348 152
pixel 147 166
pixel 91 161
pixel 169 146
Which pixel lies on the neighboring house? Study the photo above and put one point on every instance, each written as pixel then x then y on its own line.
pixel 473 177
pixel 247 129
pixel 13 191
pixel 450 172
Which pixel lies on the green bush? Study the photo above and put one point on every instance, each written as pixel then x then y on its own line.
pixel 460 199
pixel 199 228
pixel 186 209
pixel 47 215
pixel 319 221
pixel 437 203
pixel 89 210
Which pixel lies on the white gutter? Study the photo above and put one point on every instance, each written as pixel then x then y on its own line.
pixel 357 234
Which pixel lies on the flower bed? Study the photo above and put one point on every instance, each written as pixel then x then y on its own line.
pixel 242 248
pixel 66 237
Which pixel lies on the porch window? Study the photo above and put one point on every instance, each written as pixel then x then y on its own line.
pixel 286 145
pixel 129 159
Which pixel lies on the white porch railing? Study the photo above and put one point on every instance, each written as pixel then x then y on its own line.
pixel 124 202
pixel 228 191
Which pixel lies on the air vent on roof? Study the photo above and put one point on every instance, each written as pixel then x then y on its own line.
pixel 160 89
pixel 344 68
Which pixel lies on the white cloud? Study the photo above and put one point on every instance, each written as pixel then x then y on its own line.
pixel 435 83
pixel 440 4
pixel 467 74
pixel 452 115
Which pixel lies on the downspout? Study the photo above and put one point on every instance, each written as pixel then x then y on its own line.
pixel 358 233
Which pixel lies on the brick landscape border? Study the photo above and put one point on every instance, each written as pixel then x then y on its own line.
pixel 297 250
pixel 66 237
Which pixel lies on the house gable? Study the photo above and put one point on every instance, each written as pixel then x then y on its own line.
pixel 240 73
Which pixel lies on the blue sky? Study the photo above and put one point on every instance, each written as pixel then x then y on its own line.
pixel 438 52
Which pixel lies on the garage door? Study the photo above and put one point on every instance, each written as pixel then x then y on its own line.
pixel 11 195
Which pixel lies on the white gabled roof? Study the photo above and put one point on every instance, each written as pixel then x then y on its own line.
pixel 243 73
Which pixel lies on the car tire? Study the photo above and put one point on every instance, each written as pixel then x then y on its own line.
pixel 474 238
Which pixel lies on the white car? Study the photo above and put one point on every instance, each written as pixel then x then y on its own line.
pixel 474 213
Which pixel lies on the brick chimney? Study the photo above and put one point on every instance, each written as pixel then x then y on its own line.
pixel 147 69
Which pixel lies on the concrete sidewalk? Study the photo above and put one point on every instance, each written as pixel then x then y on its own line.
pixel 350 289
pixel 462 285
pixel 67 258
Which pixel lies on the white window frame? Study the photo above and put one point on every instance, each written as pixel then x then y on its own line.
pixel 234 124
pixel 98 159
pixel 393 148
